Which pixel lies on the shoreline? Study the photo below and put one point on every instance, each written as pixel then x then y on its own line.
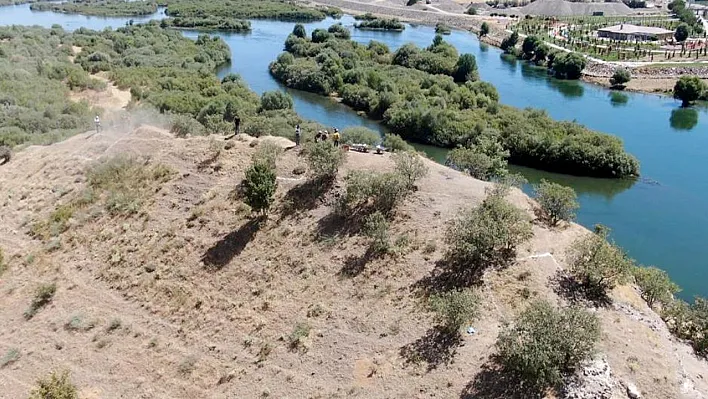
pixel 642 83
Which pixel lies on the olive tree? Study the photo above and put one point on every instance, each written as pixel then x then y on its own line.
pixel 688 89
pixel 453 309
pixel 410 166
pixel 558 203
pixel 544 343
pixel 487 234
pixel 655 285
pixel 598 264
pixel 466 68
pixel 324 159
pixel 259 186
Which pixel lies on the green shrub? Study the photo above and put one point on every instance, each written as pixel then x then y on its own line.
pixel 320 36
pixel 360 135
pixel 324 159
pixel 558 202
pixel 299 31
pixel 690 322
pixel 598 264
pixel 339 31
pixel 484 29
pixel 57 386
pixel 620 77
pixel 568 65
pixel 42 297
pixel 394 142
pixel 367 192
pixel 487 234
pixel 272 100
pixel 454 309
pixel 544 344
pixel 689 89
pixel 259 186
pixel 484 161
pixel 509 43
pixel 184 125
pixel 376 228
pixel 268 153
pixel 410 167
pixel 655 285
pixel 298 336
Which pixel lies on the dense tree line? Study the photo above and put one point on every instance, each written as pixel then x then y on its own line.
pixel 425 107
pixel 380 24
pixel 208 23
pixel 99 7
pixel 245 9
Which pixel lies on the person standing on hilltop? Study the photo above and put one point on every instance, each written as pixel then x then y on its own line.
pixel 297 135
pixel 97 122
pixel 237 124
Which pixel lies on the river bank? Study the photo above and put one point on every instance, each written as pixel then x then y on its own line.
pixel 650 78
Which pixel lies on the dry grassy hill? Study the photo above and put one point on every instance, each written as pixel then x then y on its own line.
pixel 165 287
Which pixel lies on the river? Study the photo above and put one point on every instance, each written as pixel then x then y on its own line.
pixel 661 220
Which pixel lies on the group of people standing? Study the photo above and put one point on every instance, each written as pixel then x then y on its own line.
pixel 322 135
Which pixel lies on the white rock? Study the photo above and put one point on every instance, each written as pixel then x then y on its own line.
pixel 633 391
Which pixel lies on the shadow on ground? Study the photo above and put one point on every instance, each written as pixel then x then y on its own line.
pixel 230 246
pixel 437 347
pixel 493 382
pixel 575 292
pixel 447 276
pixel 305 196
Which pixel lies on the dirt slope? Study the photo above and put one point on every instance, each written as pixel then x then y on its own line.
pixel 206 302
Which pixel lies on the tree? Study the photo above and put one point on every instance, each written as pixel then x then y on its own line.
pixel 300 31
pixel 487 234
pixel 466 68
pixel 376 228
pixel 541 53
pixel 484 160
pixel 272 100
pixel 259 186
pixel 324 160
pixel 410 166
pixel 682 32
pixel 453 309
pixel 557 202
pixel 688 89
pixel 394 143
pixel 544 343
pixel 320 36
pixel 655 284
pixel 568 65
pixel 598 264
pixel 529 45
pixel 360 135
pixel 509 43
pixel 484 29
pixel 339 31
pixel 620 77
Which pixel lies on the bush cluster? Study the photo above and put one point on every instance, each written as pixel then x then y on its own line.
pixel 372 23
pixel 486 235
pixel 324 159
pixel 56 386
pixel 207 23
pixel 454 309
pixel 544 343
pixel 104 8
pixel 558 203
pixel 410 92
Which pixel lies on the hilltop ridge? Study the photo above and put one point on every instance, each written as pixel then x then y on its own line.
pixel 186 298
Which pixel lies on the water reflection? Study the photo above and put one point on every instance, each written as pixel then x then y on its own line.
pixel 618 99
pixel 683 119
pixel 568 88
pixel 584 186
pixel 509 60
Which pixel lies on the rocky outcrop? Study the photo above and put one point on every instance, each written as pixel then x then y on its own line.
pixel 592 381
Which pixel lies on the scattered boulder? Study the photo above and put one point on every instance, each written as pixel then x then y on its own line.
pixel 633 391
pixel 5 155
